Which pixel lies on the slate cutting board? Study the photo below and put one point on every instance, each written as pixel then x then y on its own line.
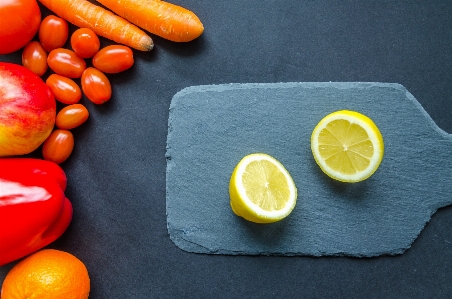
pixel 212 127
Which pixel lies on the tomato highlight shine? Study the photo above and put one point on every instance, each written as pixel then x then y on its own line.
pixel 71 116
pixel 58 146
pixel 34 58
pixel 66 63
pixel 53 32
pixel 96 86
pixel 113 59
pixel 65 89
pixel 85 42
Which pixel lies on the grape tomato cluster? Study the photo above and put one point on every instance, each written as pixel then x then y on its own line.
pixel 86 62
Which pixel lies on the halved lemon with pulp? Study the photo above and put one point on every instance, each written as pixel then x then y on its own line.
pixel 261 189
pixel 347 145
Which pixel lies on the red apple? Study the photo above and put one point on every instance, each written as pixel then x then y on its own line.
pixel 27 110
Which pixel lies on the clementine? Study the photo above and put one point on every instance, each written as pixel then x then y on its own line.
pixel 47 274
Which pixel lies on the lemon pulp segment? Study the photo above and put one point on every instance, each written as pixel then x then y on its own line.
pixel 347 146
pixel 265 185
pixel 261 189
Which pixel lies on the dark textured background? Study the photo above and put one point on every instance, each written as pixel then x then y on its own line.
pixel 116 173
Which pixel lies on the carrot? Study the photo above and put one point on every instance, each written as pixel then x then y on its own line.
pixel 103 22
pixel 161 18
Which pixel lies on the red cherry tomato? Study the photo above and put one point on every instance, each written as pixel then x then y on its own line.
pixel 19 22
pixel 53 32
pixel 85 42
pixel 113 59
pixel 34 58
pixel 58 146
pixel 66 63
pixel 71 116
pixel 65 90
pixel 96 86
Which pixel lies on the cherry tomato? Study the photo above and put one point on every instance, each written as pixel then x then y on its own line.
pixel 58 146
pixel 71 116
pixel 85 42
pixel 65 90
pixel 66 63
pixel 53 32
pixel 34 58
pixel 96 86
pixel 19 22
pixel 113 59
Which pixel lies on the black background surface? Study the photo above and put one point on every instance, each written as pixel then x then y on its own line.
pixel 116 174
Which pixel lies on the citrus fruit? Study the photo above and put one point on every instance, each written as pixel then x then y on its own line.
pixel 47 274
pixel 347 146
pixel 261 189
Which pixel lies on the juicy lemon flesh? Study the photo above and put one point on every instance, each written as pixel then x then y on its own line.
pixel 347 148
pixel 261 189
pixel 265 185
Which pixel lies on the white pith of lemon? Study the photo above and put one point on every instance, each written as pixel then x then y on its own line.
pixel 347 145
pixel 261 190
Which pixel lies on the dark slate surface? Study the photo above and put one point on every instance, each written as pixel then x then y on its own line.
pixel 212 127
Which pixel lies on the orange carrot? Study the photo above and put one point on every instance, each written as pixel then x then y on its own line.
pixel 103 22
pixel 161 18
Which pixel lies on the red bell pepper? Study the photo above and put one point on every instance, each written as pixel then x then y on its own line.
pixel 34 211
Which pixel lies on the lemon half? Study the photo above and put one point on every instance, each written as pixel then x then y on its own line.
pixel 347 146
pixel 261 189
